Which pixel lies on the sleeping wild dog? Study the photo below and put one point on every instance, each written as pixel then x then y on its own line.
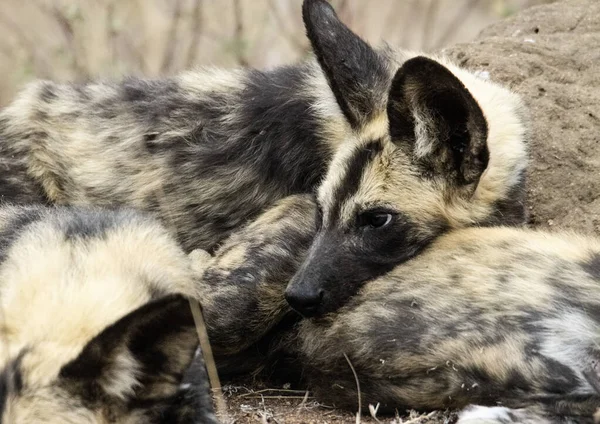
pixel 209 149
pixel 95 327
pixel 500 322
pixel 500 317
pixel 433 314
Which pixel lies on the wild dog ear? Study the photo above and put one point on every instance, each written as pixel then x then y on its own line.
pixel 356 73
pixel 433 115
pixel 141 356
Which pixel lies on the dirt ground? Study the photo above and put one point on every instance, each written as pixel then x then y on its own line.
pixel 256 402
pixel 551 56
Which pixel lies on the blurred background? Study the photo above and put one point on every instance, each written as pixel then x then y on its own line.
pixel 83 39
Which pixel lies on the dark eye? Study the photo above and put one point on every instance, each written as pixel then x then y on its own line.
pixel 375 219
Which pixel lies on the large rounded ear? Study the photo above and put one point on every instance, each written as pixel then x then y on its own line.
pixel 140 357
pixel 356 73
pixel 437 121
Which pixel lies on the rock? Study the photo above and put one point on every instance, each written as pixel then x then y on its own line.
pixel 550 55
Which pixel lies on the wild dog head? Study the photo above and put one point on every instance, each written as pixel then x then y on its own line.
pixel 130 372
pixel 446 150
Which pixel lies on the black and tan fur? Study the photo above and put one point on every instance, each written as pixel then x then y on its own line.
pixel 449 154
pixel 95 325
pixel 210 149
pixel 503 318
pixel 488 316
pixel 242 286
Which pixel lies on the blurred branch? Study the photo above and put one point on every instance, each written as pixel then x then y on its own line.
pixel 239 50
pixel 40 63
pixel 197 18
pixel 111 31
pixel 461 15
pixel 286 30
pixel 171 39
pixel 68 32
pixel 408 23
pixel 430 16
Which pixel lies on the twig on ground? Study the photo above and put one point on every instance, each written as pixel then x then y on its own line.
pixel 256 392
pixel 209 361
pixel 197 26
pixel 359 412
pixel 421 417
pixel 303 403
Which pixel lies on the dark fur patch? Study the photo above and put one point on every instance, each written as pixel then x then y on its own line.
pixel 592 266
pixel 353 173
pixel 15 227
pixel 355 72
pixel 87 224
pixel 48 93
pixel 16 185
pixel 148 333
pixel 560 379
pixel 512 209
pixel 11 381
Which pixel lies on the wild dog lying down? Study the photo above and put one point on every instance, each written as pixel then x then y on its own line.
pixel 492 317
pixel 210 149
pixel 495 317
pixel 434 168
pixel 93 328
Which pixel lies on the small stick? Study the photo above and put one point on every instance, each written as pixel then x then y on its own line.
pixel 209 360
pixel 359 412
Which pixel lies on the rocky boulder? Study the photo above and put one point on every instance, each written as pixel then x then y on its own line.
pixel 550 55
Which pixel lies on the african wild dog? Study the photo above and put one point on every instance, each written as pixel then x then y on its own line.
pixel 94 329
pixel 210 149
pixel 487 316
pixel 440 164
pixel 451 155
pixel 482 316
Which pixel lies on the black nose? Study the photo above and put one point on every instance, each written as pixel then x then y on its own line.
pixel 306 302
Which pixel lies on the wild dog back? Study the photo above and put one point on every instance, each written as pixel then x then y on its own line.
pixel 210 149
pixel 93 330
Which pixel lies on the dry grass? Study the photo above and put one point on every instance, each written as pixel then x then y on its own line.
pixel 81 39
pixel 257 403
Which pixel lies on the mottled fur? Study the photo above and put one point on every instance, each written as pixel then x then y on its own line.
pixel 210 149
pixel 486 316
pixel 482 316
pixel 94 325
pixel 448 151
pixel 243 285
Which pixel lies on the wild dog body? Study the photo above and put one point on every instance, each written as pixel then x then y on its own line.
pixel 494 316
pixel 482 316
pixel 93 330
pixel 205 151
pixel 210 149
pixel 243 285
